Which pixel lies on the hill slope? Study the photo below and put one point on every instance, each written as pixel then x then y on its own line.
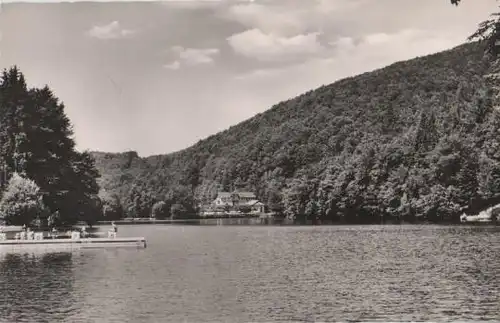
pixel 415 140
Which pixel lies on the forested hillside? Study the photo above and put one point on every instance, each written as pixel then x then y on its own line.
pixel 415 141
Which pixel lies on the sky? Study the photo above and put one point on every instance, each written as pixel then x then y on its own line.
pixel 157 77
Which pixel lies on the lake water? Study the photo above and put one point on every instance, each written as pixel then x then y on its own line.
pixel 262 274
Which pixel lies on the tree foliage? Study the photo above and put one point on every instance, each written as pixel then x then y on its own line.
pixel 160 210
pixel 178 211
pixel 488 31
pixel 21 203
pixel 112 208
pixel 36 141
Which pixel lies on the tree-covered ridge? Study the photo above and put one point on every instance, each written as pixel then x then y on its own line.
pixel 43 175
pixel 415 141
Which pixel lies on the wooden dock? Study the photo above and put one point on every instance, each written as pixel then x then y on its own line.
pixel 71 244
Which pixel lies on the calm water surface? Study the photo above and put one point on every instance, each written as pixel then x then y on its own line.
pixel 262 274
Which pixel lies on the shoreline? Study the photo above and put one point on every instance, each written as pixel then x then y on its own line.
pixel 258 221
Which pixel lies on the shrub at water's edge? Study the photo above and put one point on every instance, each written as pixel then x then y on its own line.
pixel 21 202
pixel 38 158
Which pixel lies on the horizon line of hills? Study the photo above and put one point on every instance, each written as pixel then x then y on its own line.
pixel 413 141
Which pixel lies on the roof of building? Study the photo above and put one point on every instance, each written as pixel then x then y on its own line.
pixel 245 194
pixel 240 194
pixel 254 202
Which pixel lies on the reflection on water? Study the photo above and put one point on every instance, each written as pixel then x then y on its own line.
pixel 36 287
pixel 263 274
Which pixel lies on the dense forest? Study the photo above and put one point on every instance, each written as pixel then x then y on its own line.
pixel 415 141
pixel 44 179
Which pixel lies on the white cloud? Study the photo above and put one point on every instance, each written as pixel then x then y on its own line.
pixel 199 4
pixel 343 43
pixel 113 30
pixel 175 65
pixel 191 4
pixel 271 47
pixel 192 56
pixel 378 38
pixel 288 17
pixel 267 18
pixel 285 29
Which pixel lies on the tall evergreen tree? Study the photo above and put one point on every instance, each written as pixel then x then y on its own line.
pixel 13 101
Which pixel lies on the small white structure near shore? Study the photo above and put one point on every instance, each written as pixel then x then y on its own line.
pixel 484 216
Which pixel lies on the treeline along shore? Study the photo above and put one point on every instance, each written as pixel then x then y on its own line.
pixel 197 221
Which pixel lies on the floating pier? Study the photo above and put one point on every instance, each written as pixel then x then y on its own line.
pixel 72 244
